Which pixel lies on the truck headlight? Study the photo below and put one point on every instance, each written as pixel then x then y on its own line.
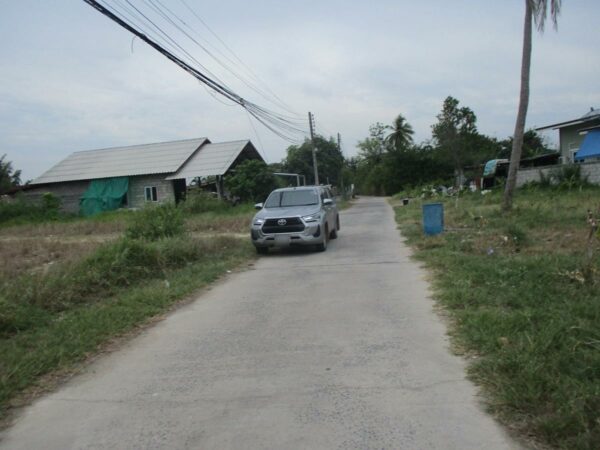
pixel 258 221
pixel 312 217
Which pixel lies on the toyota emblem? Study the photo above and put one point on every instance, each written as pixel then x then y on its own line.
pixel 281 222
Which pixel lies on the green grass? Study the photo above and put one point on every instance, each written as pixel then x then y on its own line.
pixel 512 285
pixel 50 321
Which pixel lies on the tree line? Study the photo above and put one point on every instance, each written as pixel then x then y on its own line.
pixel 389 160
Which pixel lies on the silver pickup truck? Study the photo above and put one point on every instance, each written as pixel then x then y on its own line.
pixel 305 215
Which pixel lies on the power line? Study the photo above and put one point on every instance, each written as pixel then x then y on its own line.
pixel 277 123
pixel 250 71
pixel 160 8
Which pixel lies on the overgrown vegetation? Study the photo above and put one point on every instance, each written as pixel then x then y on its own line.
pixel 521 305
pixel 61 296
pixel 198 202
pixel 156 222
pixel 20 210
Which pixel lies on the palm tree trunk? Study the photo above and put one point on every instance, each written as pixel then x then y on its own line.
pixel 517 147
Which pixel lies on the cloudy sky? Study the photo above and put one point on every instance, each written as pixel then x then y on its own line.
pixel 70 79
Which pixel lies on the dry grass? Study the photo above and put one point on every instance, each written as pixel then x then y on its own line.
pixel 210 223
pixel 31 254
pixel 79 227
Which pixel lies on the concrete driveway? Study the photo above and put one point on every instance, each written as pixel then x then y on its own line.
pixel 334 350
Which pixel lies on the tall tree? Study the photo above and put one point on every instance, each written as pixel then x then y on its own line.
pixel 9 177
pixel 535 10
pixel 329 157
pixel 375 146
pixel 401 136
pixel 454 133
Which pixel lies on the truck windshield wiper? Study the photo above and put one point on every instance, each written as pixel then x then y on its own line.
pixel 302 204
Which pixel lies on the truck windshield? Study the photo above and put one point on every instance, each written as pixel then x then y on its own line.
pixel 292 198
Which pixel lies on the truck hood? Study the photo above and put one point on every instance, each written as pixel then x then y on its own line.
pixel 292 211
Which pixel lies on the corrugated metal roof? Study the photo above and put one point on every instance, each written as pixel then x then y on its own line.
pixel 163 157
pixel 592 114
pixel 211 160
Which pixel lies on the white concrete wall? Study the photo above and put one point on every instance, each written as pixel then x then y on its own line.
pixel 591 170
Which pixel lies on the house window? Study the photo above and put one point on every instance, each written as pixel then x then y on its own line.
pixel 151 194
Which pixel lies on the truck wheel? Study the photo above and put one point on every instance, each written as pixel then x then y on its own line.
pixel 333 234
pixel 323 245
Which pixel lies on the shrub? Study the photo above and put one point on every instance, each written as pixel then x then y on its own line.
pixel 200 202
pixel 21 209
pixel 569 176
pixel 156 222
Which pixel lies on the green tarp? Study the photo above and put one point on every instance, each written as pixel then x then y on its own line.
pixel 103 195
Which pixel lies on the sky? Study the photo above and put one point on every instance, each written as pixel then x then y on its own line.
pixel 71 79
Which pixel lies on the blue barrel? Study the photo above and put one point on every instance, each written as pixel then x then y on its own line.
pixel 433 218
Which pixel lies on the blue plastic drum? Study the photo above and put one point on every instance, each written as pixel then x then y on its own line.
pixel 433 218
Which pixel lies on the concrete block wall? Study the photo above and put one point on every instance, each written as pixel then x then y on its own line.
pixel 69 194
pixel 591 170
pixel 136 196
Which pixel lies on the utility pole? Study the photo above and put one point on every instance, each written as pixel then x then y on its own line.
pixel 339 142
pixel 311 120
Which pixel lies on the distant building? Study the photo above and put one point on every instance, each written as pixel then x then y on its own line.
pixel 130 177
pixel 579 138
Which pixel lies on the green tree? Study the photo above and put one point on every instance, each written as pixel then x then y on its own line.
pixel 535 10
pixel 454 133
pixel 401 135
pixel 533 145
pixel 372 149
pixel 251 181
pixel 329 160
pixel 9 178
pixel 370 168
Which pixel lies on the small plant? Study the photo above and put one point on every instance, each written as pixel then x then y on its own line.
pixel 156 222
pixel 200 202
pixel 50 202
pixel 517 235
pixel 545 180
pixel 569 177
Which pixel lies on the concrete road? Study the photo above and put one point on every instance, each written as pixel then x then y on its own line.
pixel 335 350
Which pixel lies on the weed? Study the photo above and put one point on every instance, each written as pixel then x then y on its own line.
pixel 527 315
pixel 107 293
pixel 197 202
pixel 156 222
pixel 21 210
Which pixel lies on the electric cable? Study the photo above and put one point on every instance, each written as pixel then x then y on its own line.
pixel 276 123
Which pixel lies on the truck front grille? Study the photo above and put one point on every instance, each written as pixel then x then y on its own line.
pixel 291 225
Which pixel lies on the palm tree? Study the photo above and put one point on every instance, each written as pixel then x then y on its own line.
pixel 535 10
pixel 401 135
